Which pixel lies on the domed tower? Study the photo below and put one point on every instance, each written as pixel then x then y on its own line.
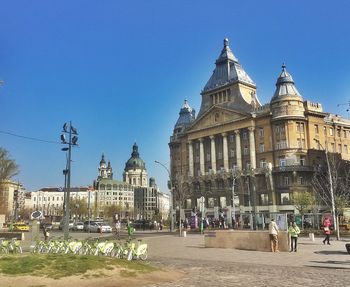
pixel 186 116
pixel 105 171
pixel 229 86
pixel 287 101
pixel 135 172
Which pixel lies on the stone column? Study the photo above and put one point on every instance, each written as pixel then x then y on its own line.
pixel 213 154
pixel 201 156
pixel 252 148
pixel 225 151
pixel 190 158
pixel 238 150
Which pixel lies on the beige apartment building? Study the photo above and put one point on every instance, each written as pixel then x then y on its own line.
pixel 237 148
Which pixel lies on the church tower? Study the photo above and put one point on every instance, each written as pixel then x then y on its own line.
pixel 104 170
pixel 135 172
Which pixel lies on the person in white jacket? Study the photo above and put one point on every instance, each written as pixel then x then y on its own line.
pixel 273 232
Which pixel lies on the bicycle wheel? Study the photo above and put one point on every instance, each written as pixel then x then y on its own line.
pixel 35 249
pixel 18 249
pixel 129 257
pixel 3 250
pixel 144 255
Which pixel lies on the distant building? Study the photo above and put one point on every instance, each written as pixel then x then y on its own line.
pixel 146 193
pixel 110 192
pixel 12 195
pixel 50 200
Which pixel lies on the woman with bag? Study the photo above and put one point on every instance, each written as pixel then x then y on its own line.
pixel 326 230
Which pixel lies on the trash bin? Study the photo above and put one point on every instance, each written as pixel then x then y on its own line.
pixel 311 236
pixel 184 233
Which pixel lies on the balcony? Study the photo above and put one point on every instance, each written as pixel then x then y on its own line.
pixel 291 168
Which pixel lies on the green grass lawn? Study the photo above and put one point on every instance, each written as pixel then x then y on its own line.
pixel 62 265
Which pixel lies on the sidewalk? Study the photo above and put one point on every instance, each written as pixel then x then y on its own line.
pixel 310 253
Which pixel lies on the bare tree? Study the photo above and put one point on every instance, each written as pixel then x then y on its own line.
pixel 303 201
pixel 181 192
pixel 340 176
pixel 111 210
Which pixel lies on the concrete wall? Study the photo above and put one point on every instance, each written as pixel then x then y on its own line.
pixel 246 240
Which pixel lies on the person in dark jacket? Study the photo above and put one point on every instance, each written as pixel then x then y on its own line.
pixel 46 234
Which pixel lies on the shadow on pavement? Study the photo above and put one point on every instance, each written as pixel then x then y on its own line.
pixel 328 267
pixel 332 252
pixel 346 262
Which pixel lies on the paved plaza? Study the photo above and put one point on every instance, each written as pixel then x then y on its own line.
pixel 314 264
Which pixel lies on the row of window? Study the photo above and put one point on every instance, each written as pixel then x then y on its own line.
pixel 50 198
pixel 283 198
pixel 220 97
pixel 114 187
pixel 44 205
pixel 340 132
pixel 102 198
pixel 117 193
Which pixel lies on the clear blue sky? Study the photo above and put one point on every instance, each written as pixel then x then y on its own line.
pixel 120 71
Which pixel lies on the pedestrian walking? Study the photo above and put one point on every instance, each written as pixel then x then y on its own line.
pixel 294 232
pixel 117 228
pixel 326 230
pixel 201 226
pixel 273 232
pixel 45 232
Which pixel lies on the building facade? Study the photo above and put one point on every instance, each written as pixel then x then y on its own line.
pixel 110 192
pixel 238 150
pixel 50 200
pixel 12 199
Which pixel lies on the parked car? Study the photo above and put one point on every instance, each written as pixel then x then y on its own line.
pixel 142 224
pixel 87 224
pixel 78 226
pixel 104 227
pixel 20 226
pixel 93 226
pixel 71 222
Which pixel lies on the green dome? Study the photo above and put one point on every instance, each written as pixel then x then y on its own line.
pixel 135 162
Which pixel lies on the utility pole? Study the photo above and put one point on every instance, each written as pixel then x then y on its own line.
pixel 72 141
pixel 234 177
pixel 171 196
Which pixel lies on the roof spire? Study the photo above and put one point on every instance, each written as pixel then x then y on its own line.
pixel 226 42
pixel 285 85
pixel 283 66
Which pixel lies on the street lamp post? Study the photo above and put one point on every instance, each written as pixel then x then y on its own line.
pixel 234 177
pixel 171 196
pixel 72 141
pixel 330 184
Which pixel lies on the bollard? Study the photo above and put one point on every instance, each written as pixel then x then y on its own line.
pixel 311 236
pixel 184 233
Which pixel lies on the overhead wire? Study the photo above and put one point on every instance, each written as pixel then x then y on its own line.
pixel 29 138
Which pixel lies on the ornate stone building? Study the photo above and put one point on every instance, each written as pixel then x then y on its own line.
pixel 257 154
pixel 110 192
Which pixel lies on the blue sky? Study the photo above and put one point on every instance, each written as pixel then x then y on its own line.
pixel 120 70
